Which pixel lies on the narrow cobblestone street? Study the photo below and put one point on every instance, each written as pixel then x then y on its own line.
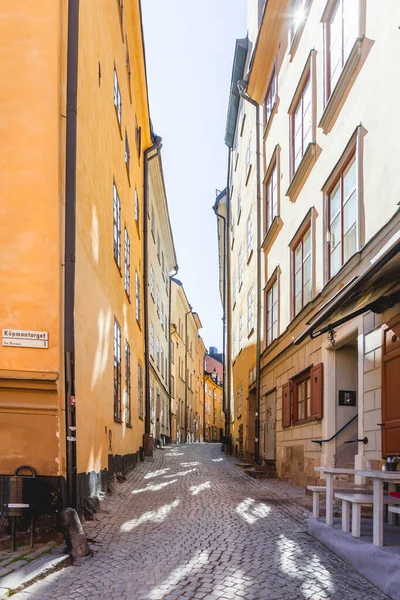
pixel 191 524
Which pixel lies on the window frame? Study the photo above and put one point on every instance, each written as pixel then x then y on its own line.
pixel 140 391
pixel 151 340
pixel 116 226
pixel 250 311
pixel 300 99
pixel 250 235
pixel 273 168
pixel 128 411
pixel 272 90
pixel 117 98
pixel 137 292
pixel 117 372
pixel 240 340
pixel 300 240
pixel 269 289
pixel 296 383
pixel 339 180
pixel 127 154
pixel 127 263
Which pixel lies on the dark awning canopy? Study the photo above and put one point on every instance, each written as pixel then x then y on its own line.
pixel 376 289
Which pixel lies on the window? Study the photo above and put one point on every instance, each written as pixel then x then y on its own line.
pixel 215 394
pixel 240 400
pixel 162 315
pixel 342 218
pixel 240 332
pixel 127 264
pixel 158 301
pixel 270 98
pixel 121 11
pixel 272 311
pixel 158 354
pixel 298 13
pixel 215 418
pixel 117 371
pixel 137 281
pixel 301 124
pixel 302 397
pixel 152 282
pixel 166 326
pixel 234 343
pixel 138 137
pixel 162 361
pixel 137 208
pixel 117 226
pixel 302 271
pixel 127 153
pixel 250 311
pixel 341 34
pixel 117 96
pixel 151 340
pixel 239 206
pixel 271 196
pixel 127 384
pixel 250 235
pixel 152 409
pixel 153 223
pixel 172 386
pixel 158 248
pixel 128 65
pixel 166 367
pixel 140 391
pixel 233 407
pixel 172 351
pixel 248 158
pixel 234 290
pixel 163 265
pixel 240 267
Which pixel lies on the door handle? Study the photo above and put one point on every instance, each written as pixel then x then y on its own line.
pixel 381 424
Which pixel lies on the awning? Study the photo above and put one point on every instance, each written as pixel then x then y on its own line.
pixel 376 289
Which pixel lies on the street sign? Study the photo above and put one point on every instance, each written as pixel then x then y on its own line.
pixel 25 338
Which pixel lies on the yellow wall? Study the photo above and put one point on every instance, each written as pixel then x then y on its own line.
pixel 100 293
pixel 212 386
pixel 32 75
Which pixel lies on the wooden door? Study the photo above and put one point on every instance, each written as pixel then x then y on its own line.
pixel 391 394
pixel 270 426
pixel 251 424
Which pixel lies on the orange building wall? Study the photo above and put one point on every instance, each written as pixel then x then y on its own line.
pixel 32 72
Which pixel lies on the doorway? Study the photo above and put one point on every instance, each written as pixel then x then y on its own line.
pixel 270 426
pixel 346 400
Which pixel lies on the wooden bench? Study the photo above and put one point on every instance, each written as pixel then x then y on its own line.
pixel 356 501
pixel 321 489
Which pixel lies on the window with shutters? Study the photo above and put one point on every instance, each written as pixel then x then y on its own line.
pixel 302 397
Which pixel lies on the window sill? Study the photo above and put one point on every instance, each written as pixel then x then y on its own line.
pixel 118 121
pixel 272 233
pixel 141 417
pixel 250 257
pixel 342 87
pixel 251 333
pixel 117 420
pixel 129 425
pixel 303 170
pixel 128 297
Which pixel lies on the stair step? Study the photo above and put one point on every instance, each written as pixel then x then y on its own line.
pixel 244 465
pixel 256 474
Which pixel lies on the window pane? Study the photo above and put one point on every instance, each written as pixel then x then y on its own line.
pixel 336 260
pixel 350 243
pixel 298 282
pixel 275 292
pixel 349 213
pixel 307 293
pixel 349 180
pixel 335 232
pixel 275 330
pixel 307 243
pixel 350 26
pixel 307 269
pixel 298 257
pixel 308 396
pixel 298 303
pixel 334 202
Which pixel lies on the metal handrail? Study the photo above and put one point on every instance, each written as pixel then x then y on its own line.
pixel 320 442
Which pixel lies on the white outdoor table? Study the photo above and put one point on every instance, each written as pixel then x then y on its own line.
pixel 329 473
pixel 378 478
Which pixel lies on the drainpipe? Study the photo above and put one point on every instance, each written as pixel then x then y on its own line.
pixel 204 400
pixel 242 86
pixel 186 376
pixel 70 246
pixel 226 400
pixel 175 271
pixel 157 144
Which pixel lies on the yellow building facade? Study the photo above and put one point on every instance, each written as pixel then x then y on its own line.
pixel 72 266
pixel 214 410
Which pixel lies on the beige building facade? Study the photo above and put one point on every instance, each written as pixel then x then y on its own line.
pixel 328 214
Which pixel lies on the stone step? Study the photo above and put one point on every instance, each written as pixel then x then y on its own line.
pixel 244 465
pixel 256 474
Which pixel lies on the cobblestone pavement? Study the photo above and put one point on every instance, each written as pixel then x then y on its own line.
pixel 192 525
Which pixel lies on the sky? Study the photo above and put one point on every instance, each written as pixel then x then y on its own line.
pixel 189 48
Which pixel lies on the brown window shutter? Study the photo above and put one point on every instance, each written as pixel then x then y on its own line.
pixel 317 391
pixel 286 404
